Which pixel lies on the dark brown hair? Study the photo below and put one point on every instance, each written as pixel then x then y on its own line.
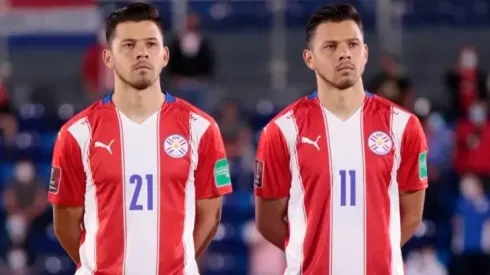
pixel 332 13
pixel 135 12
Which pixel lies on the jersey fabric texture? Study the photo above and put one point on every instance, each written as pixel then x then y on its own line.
pixel 138 185
pixel 343 180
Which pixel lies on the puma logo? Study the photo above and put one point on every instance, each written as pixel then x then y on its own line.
pixel 311 142
pixel 99 144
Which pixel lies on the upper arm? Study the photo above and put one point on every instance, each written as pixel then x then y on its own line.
pixel 67 183
pixel 65 217
pixel 209 207
pixel 412 172
pixel 268 210
pixel 272 173
pixel 212 175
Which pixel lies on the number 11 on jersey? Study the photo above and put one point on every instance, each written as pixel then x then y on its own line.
pixel 347 177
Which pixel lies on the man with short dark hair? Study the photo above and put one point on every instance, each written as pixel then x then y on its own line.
pixel 137 177
pixel 341 173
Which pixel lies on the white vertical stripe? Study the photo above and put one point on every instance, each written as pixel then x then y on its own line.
pixel 141 190
pixel 296 205
pixel 348 197
pixel 82 133
pixel 399 120
pixel 198 126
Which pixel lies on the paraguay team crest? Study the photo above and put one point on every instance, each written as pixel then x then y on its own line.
pixel 176 146
pixel 380 143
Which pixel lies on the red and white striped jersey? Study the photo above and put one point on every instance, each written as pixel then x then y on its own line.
pixel 343 180
pixel 138 185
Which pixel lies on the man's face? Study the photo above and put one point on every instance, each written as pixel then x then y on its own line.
pixel 337 53
pixel 137 54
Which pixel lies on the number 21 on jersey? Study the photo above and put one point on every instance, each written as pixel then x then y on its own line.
pixel 142 196
pixel 347 187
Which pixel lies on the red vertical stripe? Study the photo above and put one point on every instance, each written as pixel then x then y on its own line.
pixel 316 177
pixel 110 236
pixel 174 173
pixel 377 179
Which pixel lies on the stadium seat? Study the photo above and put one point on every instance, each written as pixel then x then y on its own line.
pixel 6 172
pixel 44 172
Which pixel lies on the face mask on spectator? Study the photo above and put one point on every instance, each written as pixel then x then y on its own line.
pixel 435 122
pixel 470 187
pixel 478 114
pixel 17 259
pixel 190 44
pixel 16 228
pixel 468 59
pixel 24 172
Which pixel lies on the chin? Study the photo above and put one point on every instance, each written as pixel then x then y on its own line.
pixel 142 84
pixel 346 84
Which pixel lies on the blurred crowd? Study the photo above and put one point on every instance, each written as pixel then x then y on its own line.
pixel 454 237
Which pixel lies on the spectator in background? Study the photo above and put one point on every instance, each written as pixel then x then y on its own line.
pixel 473 141
pixel 238 140
pixel 466 83
pixel 8 124
pixel 24 201
pixel 440 140
pixel 471 229
pixel 265 258
pixel 231 125
pixel 391 84
pixel 191 63
pixel 424 262
pixel 97 78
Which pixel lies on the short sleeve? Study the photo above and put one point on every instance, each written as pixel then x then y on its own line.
pixel 412 172
pixel 272 173
pixel 67 183
pixel 212 175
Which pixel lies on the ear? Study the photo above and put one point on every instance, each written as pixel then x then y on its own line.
pixel 308 58
pixel 107 58
pixel 366 53
pixel 166 56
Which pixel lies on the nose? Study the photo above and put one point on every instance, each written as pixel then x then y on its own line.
pixel 142 53
pixel 344 54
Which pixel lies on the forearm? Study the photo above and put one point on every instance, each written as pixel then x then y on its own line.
pixel 70 241
pixel 408 228
pixel 204 231
pixel 275 233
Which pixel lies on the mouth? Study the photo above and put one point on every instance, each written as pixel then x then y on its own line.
pixel 345 67
pixel 142 66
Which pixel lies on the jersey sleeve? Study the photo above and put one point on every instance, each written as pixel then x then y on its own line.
pixel 212 175
pixel 272 173
pixel 67 183
pixel 412 172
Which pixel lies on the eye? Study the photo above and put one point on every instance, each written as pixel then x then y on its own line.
pixel 151 44
pixel 128 45
pixel 330 46
pixel 353 44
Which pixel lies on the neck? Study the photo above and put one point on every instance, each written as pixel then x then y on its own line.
pixel 138 105
pixel 342 103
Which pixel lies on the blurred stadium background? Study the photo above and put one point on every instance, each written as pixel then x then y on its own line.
pixel 241 61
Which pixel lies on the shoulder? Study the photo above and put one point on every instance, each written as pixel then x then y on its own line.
pixel 187 113
pixel 295 111
pixel 83 118
pixel 284 126
pixel 400 118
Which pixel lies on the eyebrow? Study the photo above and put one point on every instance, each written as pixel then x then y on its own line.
pixel 134 40
pixel 338 41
